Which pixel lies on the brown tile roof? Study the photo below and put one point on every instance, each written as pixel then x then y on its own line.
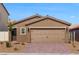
pixel 43 17
pixel 27 18
pixel 49 17
pixel 74 27
pixel 59 20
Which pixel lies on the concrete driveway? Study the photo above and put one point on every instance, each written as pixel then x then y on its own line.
pixel 46 48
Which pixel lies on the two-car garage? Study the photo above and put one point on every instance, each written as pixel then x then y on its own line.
pixel 48 35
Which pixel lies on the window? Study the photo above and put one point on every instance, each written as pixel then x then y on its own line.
pixel 23 31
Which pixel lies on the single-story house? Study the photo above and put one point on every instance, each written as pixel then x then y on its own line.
pixel 41 29
pixel 3 23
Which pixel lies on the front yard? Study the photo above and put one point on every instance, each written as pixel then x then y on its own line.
pixel 63 48
pixel 15 47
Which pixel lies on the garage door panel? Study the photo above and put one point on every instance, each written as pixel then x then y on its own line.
pixel 47 35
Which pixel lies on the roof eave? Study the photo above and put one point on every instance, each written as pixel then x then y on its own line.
pixel 65 22
pixel 5 8
pixel 27 18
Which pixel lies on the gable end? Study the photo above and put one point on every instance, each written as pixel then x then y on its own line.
pixel 41 19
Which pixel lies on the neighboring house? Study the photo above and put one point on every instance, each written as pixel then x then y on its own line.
pixel 74 31
pixel 41 29
pixel 3 23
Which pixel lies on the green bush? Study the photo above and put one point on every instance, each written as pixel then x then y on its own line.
pixel 8 44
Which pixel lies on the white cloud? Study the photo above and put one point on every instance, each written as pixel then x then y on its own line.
pixel 72 16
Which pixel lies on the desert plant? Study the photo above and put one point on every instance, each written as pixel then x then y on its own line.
pixel 17 43
pixel 23 43
pixel 10 30
pixel 69 42
pixel 1 43
pixel 78 50
pixel 15 49
pixel 10 26
pixel 8 44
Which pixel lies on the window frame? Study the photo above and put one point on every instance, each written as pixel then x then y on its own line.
pixel 24 31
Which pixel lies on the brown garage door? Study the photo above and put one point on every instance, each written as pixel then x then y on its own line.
pixel 47 35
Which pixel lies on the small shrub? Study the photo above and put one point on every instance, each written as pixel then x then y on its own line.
pixel 78 50
pixel 16 43
pixel 23 43
pixel 1 43
pixel 74 46
pixel 8 44
pixel 69 42
pixel 15 49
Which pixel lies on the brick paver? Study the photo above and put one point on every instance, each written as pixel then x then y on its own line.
pixel 46 48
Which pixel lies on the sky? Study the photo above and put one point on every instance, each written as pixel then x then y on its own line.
pixel 64 11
